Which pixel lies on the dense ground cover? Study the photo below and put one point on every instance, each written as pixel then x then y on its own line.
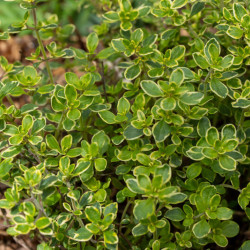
pixel 124 124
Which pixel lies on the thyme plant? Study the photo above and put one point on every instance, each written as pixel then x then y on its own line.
pixel 144 144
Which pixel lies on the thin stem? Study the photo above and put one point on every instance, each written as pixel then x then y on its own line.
pixel 191 30
pixel 126 239
pixel 159 208
pixel 37 204
pixel 124 214
pixel 42 47
pixel 8 97
pixel 59 127
pixel 35 153
pixel 229 186
pixel 241 119
pixel 104 82
pixel 199 215
pixel 205 81
pixel 74 207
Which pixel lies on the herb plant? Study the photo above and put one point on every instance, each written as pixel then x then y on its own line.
pixel 144 144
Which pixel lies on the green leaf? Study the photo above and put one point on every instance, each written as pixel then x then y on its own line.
pixel 224 213
pixel 200 60
pixel 239 11
pixel 134 186
pixel 132 72
pixel 27 123
pixel 165 172
pixel 151 88
pixel 6 204
pixel 177 76
pixel 207 48
pixel 241 103
pixel 245 245
pixel 111 16
pixel 139 230
pixel 125 5
pixel 73 114
pixel 57 105
pixel 100 164
pixel 168 34
pixel 5 167
pixel 212 136
pixel 175 198
pixel 220 240
pixel 144 182
pixel 42 222
pixel 7 88
pixel 229 228
pixel 235 32
pixel 110 237
pixel 168 103
pixel 70 94
pixel 203 125
pixel 227 61
pixel 16 139
pixel 227 163
pixel 11 152
pixel 177 4
pixel 196 8
pixel 161 130
pixel 143 209
pixel 105 53
pixel 82 235
pixel 92 42
pixel 156 72
pixel 71 78
pixel 38 125
pixel 102 141
pixel 111 209
pixel 177 52
pixel 209 153
pixel 194 170
pixel 66 143
pixel 218 88
pixel 92 214
pixel 53 143
pixel 201 229
pixel 118 45
pixel 175 214
pixel 191 98
pixel 131 133
pixel 34 140
pixel 123 106
pixel 107 116
pixel 137 36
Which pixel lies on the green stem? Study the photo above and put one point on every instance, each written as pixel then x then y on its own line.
pixel 191 30
pixel 37 157
pixel 199 215
pixel 155 235
pixel 124 214
pixel 241 119
pixel 8 97
pixel 42 47
pixel 59 127
pixel 37 204
pixel 229 186
pixel 74 207
pixel 205 81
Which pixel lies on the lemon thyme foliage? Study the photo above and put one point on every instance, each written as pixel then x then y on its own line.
pixel 144 144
